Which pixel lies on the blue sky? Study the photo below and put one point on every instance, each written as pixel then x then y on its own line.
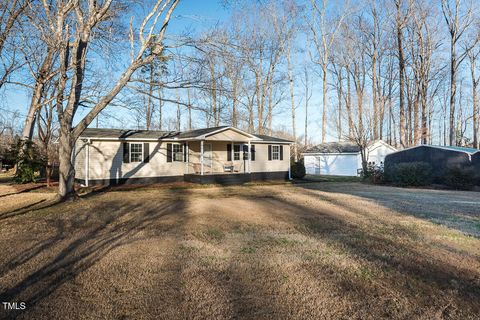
pixel 193 16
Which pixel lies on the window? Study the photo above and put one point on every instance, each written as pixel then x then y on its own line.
pixel 136 152
pixel 236 152
pixel 275 152
pixel 177 152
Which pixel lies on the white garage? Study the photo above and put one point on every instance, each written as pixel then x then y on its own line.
pixel 343 158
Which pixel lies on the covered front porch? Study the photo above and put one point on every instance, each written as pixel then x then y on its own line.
pixel 219 155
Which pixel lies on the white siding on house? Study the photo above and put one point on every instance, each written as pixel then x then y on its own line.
pixel 106 160
pixel 80 155
pixel 262 164
pixel 378 152
pixel 345 164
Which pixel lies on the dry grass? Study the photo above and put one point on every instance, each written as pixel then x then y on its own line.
pixel 258 252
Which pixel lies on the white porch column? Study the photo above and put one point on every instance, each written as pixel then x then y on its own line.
pixel 201 157
pixel 232 153
pixel 188 157
pixel 249 157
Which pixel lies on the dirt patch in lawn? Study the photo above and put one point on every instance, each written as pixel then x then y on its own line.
pixel 257 252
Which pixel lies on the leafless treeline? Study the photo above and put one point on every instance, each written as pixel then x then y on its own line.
pixel 405 71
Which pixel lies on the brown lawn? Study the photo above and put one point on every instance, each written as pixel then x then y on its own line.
pixel 312 251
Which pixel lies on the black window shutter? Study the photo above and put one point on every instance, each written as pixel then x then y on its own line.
pixel 269 152
pixel 184 152
pixel 229 152
pixel 169 152
pixel 281 152
pixel 252 151
pixel 245 152
pixel 126 154
pixel 146 152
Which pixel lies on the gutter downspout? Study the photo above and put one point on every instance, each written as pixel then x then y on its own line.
pixel 87 163
pixel 289 170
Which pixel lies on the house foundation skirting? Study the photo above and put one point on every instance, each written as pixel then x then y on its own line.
pixel 143 180
pixel 224 179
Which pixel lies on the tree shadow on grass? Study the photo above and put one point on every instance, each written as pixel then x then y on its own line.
pixel 438 279
pixel 454 209
pixel 89 237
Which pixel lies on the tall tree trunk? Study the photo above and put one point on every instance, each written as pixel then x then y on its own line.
pixel 66 169
pixel 160 109
pixel 416 124
pixel 189 110
pixel 234 104
pixel 149 111
pixel 270 106
pixel 307 97
pixel 475 117
pixel 292 99
pixel 37 95
pixel 325 101
pixel 425 126
pixel 259 93
pixel 360 112
pixel 401 68
pixel 340 107
pixel 251 126
pixel 453 92
pixel 474 79
pixel 374 91
pixel 349 106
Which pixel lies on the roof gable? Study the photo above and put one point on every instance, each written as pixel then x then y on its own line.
pixel 230 134
pixel 379 144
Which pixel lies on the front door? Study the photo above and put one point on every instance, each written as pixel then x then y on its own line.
pixel 207 157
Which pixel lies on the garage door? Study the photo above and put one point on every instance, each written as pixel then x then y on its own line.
pixel 311 165
pixel 338 164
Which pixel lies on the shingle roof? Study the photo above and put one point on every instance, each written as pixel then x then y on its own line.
pixel 198 132
pixel 334 147
pixel 270 138
pixel 157 134
pixel 124 134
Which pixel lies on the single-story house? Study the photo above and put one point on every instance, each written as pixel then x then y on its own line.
pixel 440 158
pixel 343 158
pixel 211 155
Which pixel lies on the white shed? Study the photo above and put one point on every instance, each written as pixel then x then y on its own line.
pixel 343 158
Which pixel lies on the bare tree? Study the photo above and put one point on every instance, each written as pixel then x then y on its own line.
pixel 73 50
pixel 47 127
pixel 324 31
pixel 307 96
pixel 400 21
pixel 457 22
pixel 473 53
pixel 11 11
